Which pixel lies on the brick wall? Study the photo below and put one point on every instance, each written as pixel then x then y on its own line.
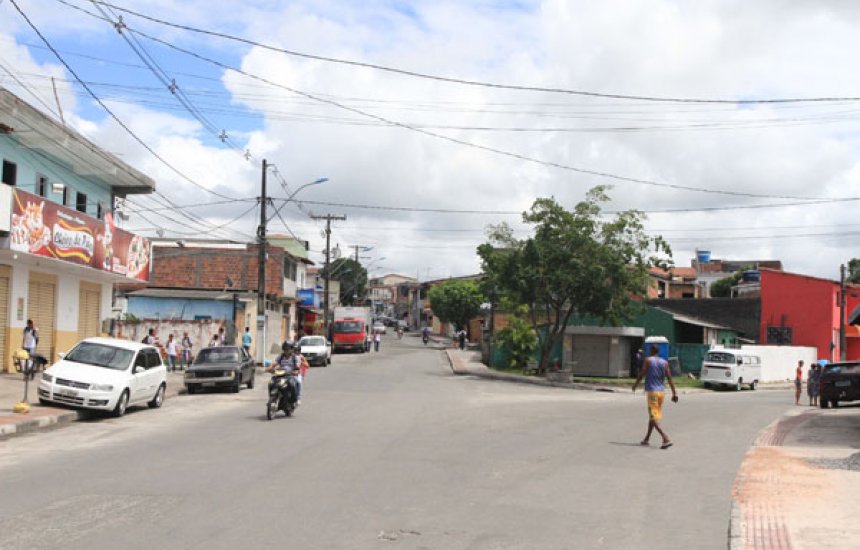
pixel 208 268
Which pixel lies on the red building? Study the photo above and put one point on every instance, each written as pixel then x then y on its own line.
pixel 801 310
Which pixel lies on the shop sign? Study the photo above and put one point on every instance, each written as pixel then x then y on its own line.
pixel 307 297
pixel 44 228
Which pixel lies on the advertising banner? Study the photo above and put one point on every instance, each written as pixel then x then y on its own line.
pixel 307 297
pixel 45 228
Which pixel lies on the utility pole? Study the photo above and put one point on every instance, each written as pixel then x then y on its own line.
pixel 842 351
pixel 328 218
pixel 261 271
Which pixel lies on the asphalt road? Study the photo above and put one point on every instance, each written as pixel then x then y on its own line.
pixel 388 450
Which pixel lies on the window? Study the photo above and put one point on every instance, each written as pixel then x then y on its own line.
pixel 140 360
pixel 42 186
pixel 81 202
pixel 10 172
pixel 153 359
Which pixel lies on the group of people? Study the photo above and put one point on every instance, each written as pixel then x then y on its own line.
pixel 813 380
pixel 179 351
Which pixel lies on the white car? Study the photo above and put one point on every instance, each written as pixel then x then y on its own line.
pixel 316 349
pixel 106 374
pixel 379 327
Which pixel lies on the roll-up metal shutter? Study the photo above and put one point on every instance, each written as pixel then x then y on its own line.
pixel 41 308
pixel 89 311
pixel 4 318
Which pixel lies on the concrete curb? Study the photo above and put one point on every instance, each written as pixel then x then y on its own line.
pixel 30 424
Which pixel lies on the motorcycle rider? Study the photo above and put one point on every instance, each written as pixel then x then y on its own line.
pixel 425 334
pixel 291 363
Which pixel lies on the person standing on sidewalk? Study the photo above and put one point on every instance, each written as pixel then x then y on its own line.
pixel 812 382
pixel 171 353
pixel 798 382
pixel 185 358
pixel 462 338
pixel 246 340
pixel 377 338
pixel 29 343
pixel 654 370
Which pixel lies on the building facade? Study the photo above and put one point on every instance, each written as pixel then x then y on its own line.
pixel 60 249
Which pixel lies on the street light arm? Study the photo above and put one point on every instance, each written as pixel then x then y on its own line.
pixel 294 193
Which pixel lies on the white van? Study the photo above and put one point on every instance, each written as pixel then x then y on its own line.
pixel 728 367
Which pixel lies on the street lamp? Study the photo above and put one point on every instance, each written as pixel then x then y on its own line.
pixel 296 192
pixel 261 261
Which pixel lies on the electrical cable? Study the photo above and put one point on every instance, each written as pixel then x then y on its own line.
pixel 494 150
pixel 467 82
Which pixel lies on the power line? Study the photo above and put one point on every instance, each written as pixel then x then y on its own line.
pixel 458 141
pixel 467 82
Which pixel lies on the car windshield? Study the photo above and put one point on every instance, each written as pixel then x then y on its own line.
pixel 316 341
pixel 347 327
pixel 716 357
pixel 101 355
pixel 218 355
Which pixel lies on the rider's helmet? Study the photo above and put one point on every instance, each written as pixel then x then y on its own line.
pixel 288 345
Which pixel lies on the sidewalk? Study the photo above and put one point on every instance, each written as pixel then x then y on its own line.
pixel 798 486
pixel 39 417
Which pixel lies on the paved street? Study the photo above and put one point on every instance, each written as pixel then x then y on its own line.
pixel 388 449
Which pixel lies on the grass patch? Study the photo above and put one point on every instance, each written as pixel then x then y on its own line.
pixel 682 381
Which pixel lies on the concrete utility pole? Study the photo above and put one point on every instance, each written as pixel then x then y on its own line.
pixel 328 218
pixel 261 271
pixel 842 343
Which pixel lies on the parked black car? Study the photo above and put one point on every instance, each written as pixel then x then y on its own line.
pixel 839 382
pixel 225 366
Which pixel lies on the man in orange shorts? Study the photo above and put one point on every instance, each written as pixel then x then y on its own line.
pixel 654 370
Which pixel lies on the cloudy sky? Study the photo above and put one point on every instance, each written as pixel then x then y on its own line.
pixel 422 158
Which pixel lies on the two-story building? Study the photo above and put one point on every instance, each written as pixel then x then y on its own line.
pixel 60 249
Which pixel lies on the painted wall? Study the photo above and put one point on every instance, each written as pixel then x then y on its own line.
pixel 31 166
pixel 147 307
pixel 806 304
pixel 779 362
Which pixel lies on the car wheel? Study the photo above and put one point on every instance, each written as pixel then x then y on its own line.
pixel 707 385
pixel 251 382
pixel 158 400
pixel 44 402
pixel 191 390
pixel 822 403
pixel 237 385
pixel 121 404
pixel 754 385
pixel 328 360
pixel 834 404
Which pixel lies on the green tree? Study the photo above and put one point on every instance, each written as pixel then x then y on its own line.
pixel 722 288
pixel 518 339
pixel 353 280
pixel 456 301
pixel 576 262
pixel 854 271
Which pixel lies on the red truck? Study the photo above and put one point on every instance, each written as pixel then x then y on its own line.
pixel 351 328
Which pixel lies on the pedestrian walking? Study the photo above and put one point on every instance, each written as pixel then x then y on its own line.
pixel 798 382
pixel 377 338
pixel 462 338
pixel 149 339
pixel 214 342
pixel 185 358
pixel 812 381
pixel 654 370
pixel 171 352
pixel 246 340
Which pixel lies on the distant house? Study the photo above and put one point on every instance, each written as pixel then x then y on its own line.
pixel 676 282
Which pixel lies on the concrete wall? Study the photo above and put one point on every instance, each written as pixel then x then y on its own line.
pixel 147 307
pixel 779 362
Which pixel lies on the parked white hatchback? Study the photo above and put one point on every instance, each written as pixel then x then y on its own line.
pixel 106 374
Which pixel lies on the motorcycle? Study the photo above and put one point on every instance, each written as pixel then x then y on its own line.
pixel 282 394
pixel 425 339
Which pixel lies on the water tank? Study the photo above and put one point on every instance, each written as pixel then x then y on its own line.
pixel 751 276
pixel 703 256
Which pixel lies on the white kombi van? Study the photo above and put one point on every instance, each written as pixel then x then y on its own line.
pixel 729 367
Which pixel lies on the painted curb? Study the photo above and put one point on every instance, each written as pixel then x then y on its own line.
pixel 34 424
pixel 736 532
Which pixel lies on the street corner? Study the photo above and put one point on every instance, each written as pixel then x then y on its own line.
pixel 798 483
pixel 37 418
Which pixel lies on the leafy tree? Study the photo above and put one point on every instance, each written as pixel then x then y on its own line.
pixel 854 271
pixel 353 280
pixel 576 263
pixel 722 288
pixel 518 339
pixel 456 301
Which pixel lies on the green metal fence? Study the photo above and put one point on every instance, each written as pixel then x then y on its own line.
pixel 690 356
